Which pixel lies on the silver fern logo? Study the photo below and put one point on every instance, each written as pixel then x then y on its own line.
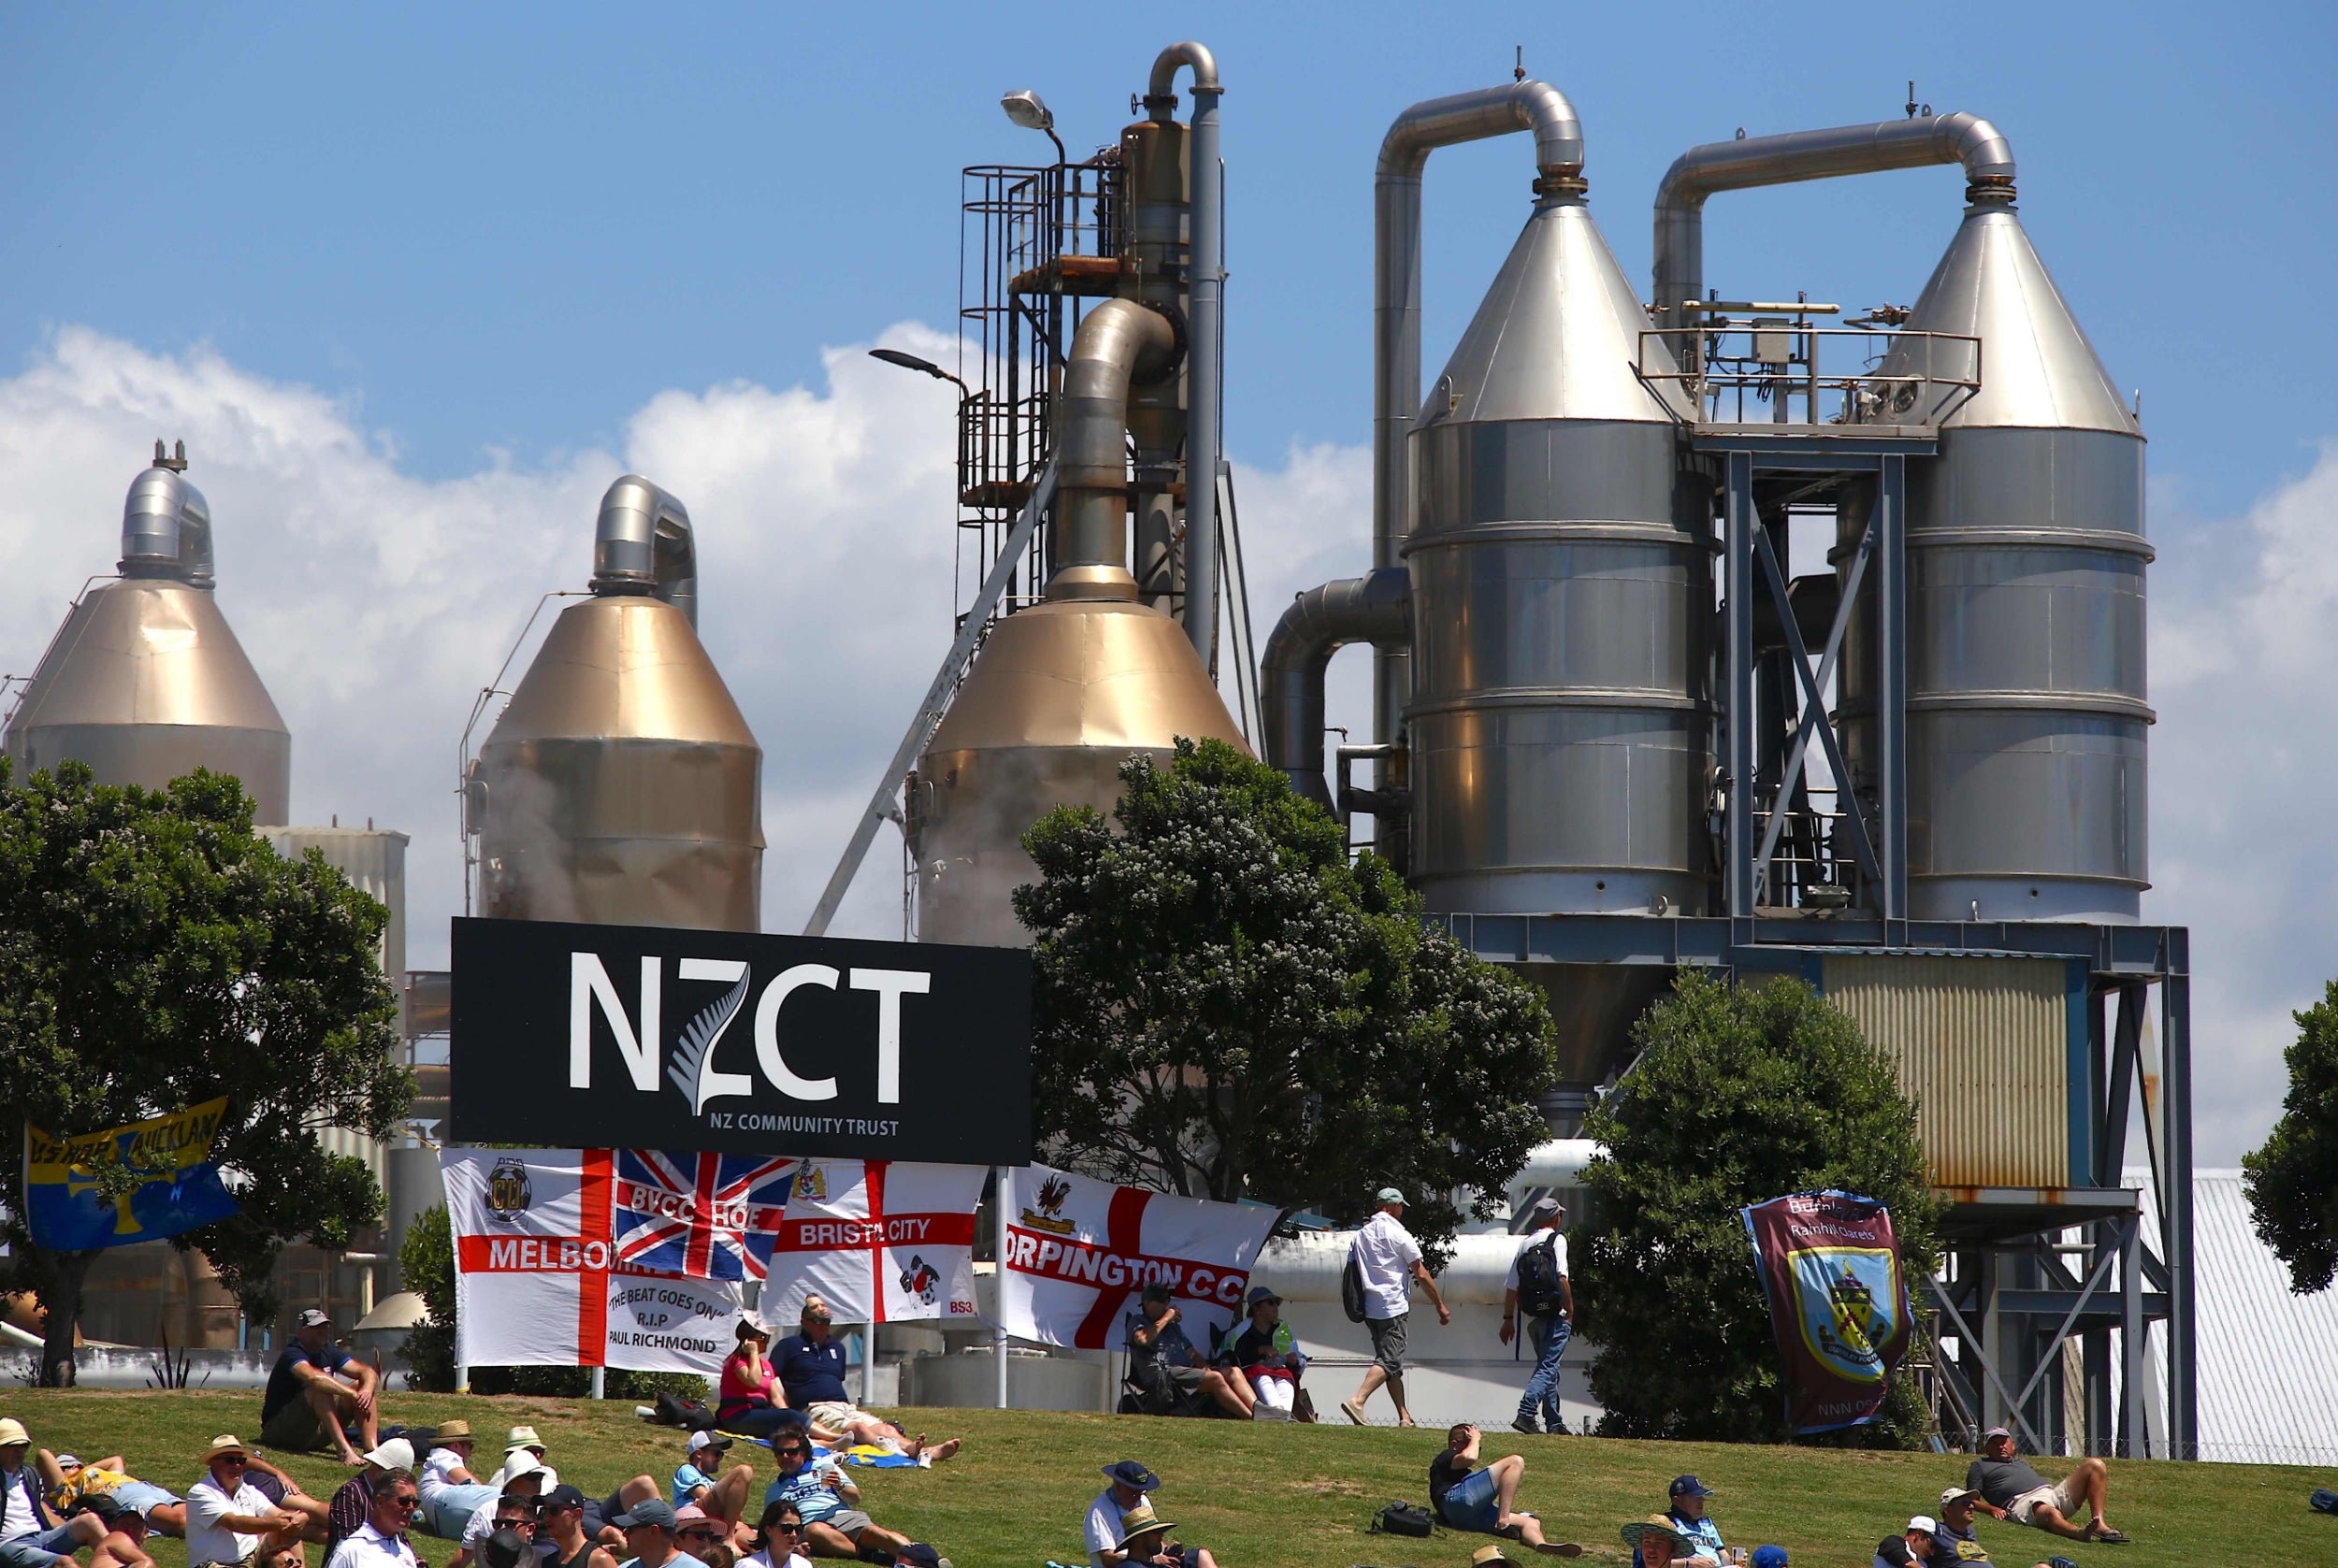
pixel 692 1070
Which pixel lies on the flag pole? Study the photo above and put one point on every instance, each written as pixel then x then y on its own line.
pixel 600 1383
pixel 1000 1200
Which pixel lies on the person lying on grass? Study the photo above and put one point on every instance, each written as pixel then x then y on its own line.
pixel 1469 1498
pixel 2011 1488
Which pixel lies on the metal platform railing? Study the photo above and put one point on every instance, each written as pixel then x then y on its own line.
pixel 1764 367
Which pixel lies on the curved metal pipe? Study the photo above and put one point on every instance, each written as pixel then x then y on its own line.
pixel 1491 112
pixel 167 529
pixel 1119 342
pixel 1780 160
pixel 642 542
pixel 1205 272
pixel 1375 609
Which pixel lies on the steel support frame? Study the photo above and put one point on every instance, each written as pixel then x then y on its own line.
pixel 1749 568
pixel 2152 1264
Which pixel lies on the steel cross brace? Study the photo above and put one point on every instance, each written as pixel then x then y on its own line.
pixel 1988 1364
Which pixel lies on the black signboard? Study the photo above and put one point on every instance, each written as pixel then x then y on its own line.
pixel 646 1037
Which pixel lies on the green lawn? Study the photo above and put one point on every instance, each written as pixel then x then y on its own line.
pixel 1285 1495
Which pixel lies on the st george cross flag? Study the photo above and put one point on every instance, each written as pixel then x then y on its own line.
pixel 536 1281
pixel 710 1216
pixel 881 1240
pixel 1078 1251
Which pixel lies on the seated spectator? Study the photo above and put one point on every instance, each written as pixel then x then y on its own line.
pixel 229 1520
pixel 695 1482
pixel 1130 1482
pixel 1953 1539
pixel 381 1541
pixel 1911 1546
pixel 31 1533
pixel 1265 1353
pixel 1145 1538
pixel 2012 1489
pixel 71 1481
pixel 525 1437
pixel 1687 1514
pixel 314 1389
pixel 649 1534
pixel 352 1505
pixel 451 1494
pixel 1656 1541
pixel 749 1400
pixel 600 1513
pixel 833 1524
pixel 560 1525
pixel 514 1510
pixel 779 1538
pixel 1469 1498
pixel 811 1368
pixel 1167 1371
pixel 699 1534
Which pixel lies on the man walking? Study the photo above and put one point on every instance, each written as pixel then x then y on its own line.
pixel 1537 1288
pixel 1389 1260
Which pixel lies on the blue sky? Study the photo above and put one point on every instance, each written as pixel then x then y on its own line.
pixel 502 228
pixel 416 282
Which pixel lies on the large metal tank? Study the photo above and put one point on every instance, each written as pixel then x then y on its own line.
pixel 621 785
pixel 1061 694
pixel 145 682
pixel 1562 585
pixel 2027 717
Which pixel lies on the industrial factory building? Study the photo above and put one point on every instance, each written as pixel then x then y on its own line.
pixel 1613 735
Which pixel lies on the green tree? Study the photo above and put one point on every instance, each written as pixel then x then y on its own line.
pixel 1740 1093
pixel 155 954
pixel 1224 1007
pixel 2292 1181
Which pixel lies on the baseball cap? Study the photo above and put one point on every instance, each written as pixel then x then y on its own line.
pixel 1131 1474
pixel 649 1511
pixel 1956 1494
pixel 311 1318
pixel 1387 1195
pixel 1546 1207
pixel 1769 1556
pixel 1689 1486
pixel 1995 1431
pixel 703 1439
pixel 1924 1522
pixel 919 1555
pixel 68 1462
pixel 562 1496
pixel 396 1454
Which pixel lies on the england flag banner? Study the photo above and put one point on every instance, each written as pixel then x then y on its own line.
pixel 538 1281
pixel 1078 1251
pixel 709 1216
pixel 882 1241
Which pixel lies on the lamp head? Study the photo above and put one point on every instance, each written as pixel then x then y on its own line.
pixel 1027 110
pixel 907 361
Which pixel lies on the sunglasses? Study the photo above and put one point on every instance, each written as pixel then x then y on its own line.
pixel 234 1461
pixel 784 1528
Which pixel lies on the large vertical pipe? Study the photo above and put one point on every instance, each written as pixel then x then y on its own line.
pixel 1205 271
pixel 1492 112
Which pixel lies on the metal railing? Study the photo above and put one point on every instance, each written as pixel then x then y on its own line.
pixel 1765 369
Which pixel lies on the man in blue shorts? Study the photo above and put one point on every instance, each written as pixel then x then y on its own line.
pixel 1468 1497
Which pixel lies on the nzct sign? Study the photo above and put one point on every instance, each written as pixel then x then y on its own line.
pixel 645 1037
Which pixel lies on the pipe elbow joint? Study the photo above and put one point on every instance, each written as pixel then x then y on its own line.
pixel 1980 146
pixel 642 542
pixel 1558 134
pixel 1161 88
pixel 1376 608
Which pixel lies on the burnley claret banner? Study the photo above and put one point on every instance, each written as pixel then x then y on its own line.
pixel 1830 1263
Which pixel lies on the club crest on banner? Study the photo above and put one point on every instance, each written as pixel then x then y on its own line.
pixel 1848 1306
pixel 812 1183
pixel 508 1193
pixel 1053 1192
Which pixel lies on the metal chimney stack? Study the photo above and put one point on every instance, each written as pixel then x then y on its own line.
pixel 145 682
pixel 621 786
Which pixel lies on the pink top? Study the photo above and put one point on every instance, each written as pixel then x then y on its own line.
pixel 738 1392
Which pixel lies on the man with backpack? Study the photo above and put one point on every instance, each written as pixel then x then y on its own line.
pixel 1537 1287
pixel 1376 1287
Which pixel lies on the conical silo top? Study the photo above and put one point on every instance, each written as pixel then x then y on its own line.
pixel 2038 371
pixel 1558 336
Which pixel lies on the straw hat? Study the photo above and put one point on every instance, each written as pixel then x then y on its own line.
pixel 1140 1520
pixel 456 1431
pixel 12 1433
pixel 1654 1524
pixel 225 1443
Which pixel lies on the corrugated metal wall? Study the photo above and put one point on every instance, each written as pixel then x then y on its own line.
pixel 1983 1047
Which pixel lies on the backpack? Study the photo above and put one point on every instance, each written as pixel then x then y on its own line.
pixel 1352 1287
pixel 1538 1277
pixel 1402 1519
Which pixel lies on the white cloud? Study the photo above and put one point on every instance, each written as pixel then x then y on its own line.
pixel 2245 637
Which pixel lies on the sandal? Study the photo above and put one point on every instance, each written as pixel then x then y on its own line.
pixel 2109 1537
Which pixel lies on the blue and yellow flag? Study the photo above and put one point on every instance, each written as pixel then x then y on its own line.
pixel 175 1186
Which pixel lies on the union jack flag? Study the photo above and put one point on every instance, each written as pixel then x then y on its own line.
pixel 711 1216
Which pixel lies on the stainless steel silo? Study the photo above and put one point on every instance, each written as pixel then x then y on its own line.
pixel 621 786
pixel 145 682
pixel 1061 694
pixel 2026 712
pixel 1560 556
